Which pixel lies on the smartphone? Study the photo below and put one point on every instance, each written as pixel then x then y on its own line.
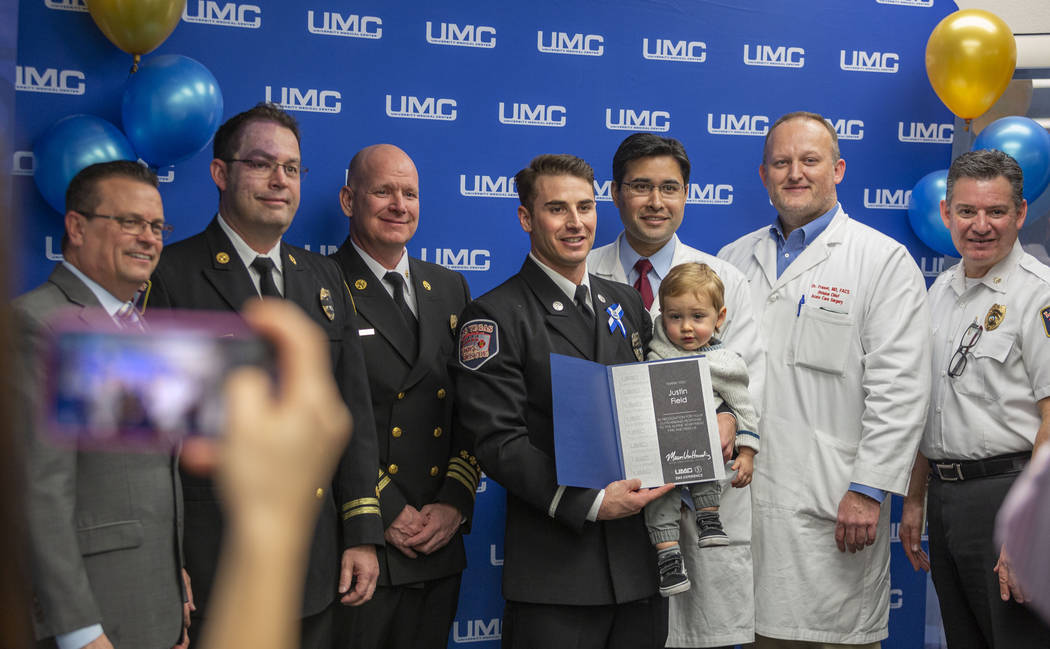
pixel 147 389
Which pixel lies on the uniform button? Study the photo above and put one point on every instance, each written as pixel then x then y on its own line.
pixel 773 297
pixel 319 493
pixel 400 396
pixel 938 409
pixel 441 393
pixel 392 469
pixel 437 431
pixel 433 471
pixel 396 431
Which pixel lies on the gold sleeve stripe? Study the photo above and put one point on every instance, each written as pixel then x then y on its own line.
pixel 465 482
pixel 360 502
pixel 360 511
pixel 463 465
pixel 383 482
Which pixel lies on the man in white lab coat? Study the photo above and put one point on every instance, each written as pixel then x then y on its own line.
pixel 842 314
pixel 650 185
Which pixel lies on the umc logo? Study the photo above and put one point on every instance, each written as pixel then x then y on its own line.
pixel 563 43
pixel 910 3
pixel 23 163
pixel 489 187
pixel 848 129
pixel 863 61
pixel 477 630
pixel 778 57
pixel 66 5
pixel 309 101
pixel 930 267
pixel 603 190
pixel 428 108
pixel 229 14
pixel 50 80
pixel 529 115
pixel 465 36
pixel 658 121
pixel 462 259
pixel 353 26
pixel 667 50
pixel 730 124
pixel 494 558
pixel 926 133
pixel 709 194
pixel 886 199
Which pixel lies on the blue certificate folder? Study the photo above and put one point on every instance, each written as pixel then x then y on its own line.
pixel 660 427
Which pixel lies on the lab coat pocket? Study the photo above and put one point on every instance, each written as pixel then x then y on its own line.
pixel 982 364
pixel 830 468
pixel 822 340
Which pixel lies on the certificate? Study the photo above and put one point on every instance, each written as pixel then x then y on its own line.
pixel 653 421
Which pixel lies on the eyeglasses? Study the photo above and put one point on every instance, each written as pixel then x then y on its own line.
pixel 969 339
pixel 263 168
pixel 134 225
pixel 644 188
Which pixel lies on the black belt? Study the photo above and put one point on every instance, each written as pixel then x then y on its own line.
pixel 952 471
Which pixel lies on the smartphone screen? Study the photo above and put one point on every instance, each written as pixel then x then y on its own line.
pixel 148 389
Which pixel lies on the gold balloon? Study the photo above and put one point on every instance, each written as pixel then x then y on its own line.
pixel 136 26
pixel 970 60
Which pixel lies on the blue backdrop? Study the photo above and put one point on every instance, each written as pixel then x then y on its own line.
pixel 472 91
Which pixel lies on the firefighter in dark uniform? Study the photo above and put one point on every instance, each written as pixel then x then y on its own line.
pixel 578 568
pixel 407 316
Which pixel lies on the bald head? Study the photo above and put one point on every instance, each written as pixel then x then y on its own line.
pixel 381 199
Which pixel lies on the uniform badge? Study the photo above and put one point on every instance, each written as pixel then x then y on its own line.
pixel 636 345
pixel 995 317
pixel 601 298
pixel 478 342
pixel 360 284
pixel 453 320
pixel 222 258
pixel 1045 313
pixel 426 285
pixel 558 306
pixel 326 303
pixel 292 259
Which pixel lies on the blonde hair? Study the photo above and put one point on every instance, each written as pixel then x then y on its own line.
pixel 693 278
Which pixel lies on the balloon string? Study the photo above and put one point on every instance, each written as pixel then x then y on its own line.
pixel 135 64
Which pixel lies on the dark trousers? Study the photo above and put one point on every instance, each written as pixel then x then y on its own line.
pixel 963 553
pixel 401 617
pixel 640 624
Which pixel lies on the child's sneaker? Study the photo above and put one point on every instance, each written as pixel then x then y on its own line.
pixel 709 530
pixel 673 578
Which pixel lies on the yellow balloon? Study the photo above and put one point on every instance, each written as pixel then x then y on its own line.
pixel 970 60
pixel 136 26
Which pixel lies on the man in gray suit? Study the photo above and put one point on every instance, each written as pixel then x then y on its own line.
pixel 105 527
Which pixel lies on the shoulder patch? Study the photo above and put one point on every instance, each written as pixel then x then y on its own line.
pixel 478 342
pixel 1045 314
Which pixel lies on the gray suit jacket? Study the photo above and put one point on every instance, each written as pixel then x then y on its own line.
pixel 105 528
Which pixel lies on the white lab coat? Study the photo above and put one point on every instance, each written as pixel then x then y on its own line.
pixel 719 608
pixel 847 388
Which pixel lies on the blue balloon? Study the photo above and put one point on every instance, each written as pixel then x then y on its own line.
pixel 171 109
pixel 924 212
pixel 69 145
pixel 1028 143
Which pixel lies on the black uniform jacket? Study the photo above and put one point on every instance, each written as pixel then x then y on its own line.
pixel 422 458
pixel 507 336
pixel 205 272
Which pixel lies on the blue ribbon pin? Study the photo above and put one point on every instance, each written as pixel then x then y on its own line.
pixel 615 313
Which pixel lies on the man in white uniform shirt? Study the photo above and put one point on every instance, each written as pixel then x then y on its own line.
pixel 843 318
pixel 650 185
pixel 990 405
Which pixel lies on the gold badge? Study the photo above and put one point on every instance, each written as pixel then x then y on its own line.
pixel 636 344
pixel 292 259
pixel 995 317
pixel 222 258
pixel 326 304
pixel 360 284
pixel 453 320
pixel 426 285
